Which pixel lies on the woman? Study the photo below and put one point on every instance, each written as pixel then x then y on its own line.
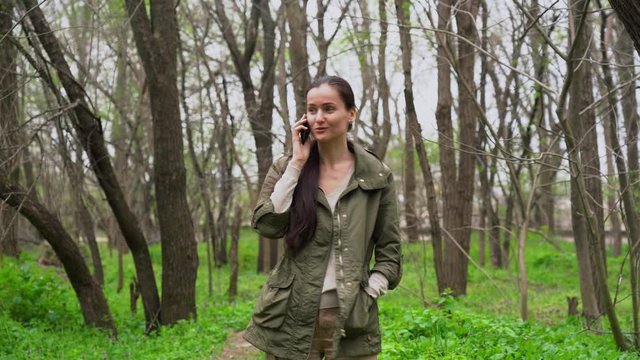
pixel 335 205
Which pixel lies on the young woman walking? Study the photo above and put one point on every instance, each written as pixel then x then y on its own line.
pixel 335 205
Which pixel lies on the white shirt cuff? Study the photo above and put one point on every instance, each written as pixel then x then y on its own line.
pixel 378 285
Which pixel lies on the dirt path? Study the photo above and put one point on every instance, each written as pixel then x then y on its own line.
pixel 237 348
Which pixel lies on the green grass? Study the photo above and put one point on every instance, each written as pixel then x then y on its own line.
pixel 40 317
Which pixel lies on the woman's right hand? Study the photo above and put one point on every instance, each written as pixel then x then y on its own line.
pixel 301 151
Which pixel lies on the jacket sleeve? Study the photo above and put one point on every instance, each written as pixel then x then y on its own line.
pixel 265 220
pixel 388 253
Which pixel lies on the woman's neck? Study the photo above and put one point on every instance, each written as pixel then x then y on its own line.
pixel 334 154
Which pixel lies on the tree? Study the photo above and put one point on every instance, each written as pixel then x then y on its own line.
pixel 89 129
pixel 9 129
pixel 457 175
pixel 629 12
pixel 156 38
pixel 583 125
pixel 259 110
pixel 412 123
pixel 93 304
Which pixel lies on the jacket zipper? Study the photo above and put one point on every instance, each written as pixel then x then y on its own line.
pixel 315 321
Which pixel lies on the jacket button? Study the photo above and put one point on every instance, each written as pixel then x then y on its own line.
pixel 346 249
pixel 380 174
pixel 344 215
pixel 349 283
pixel 361 180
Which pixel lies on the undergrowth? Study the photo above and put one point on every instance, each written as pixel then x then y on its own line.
pixel 40 317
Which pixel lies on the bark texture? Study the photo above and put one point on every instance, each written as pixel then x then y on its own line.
pixel 89 130
pixel 93 304
pixel 156 39
pixel 457 175
pixel 9 129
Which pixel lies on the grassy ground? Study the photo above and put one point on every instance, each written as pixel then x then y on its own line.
pixel 39 316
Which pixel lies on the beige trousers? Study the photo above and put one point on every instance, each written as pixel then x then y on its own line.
pixel 322 343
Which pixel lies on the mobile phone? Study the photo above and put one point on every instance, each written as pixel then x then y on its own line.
pixel 304 134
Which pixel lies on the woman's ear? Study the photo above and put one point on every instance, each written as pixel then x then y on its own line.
pixel 353 113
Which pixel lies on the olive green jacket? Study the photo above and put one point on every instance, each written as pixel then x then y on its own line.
pixel 365 222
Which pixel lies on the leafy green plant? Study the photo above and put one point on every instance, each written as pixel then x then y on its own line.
pixel 28 293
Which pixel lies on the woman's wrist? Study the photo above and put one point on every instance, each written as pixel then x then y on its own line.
pixel 297 163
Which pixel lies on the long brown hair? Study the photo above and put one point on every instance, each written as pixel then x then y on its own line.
pixel 303 218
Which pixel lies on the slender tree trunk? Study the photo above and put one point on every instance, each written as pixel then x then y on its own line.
pixel 626 74
pixel 383 85
pixel 581 194
pixel 281 82
pixel 459 180
pixel 235 239
pixel 89 131
pixel 629 13
pixel 156 40
pixel 81 216
pixel 297 20
pixel 410 214
pixel 630 213
pixel 10 131
pixel 583 124
pixel 612 209
pixel 260 112
pixel 414 125
pixel 93 304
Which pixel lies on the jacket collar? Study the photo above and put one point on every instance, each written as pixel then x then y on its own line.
pixel 370 173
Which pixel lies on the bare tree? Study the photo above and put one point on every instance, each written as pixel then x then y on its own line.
pixel 582 121
pixel 89 130
pixel 156 39
pixel 402 14
pixel 580 193
pixel 629 12
pixel 93 304
pixel 259 110
pixel 9 129
pixel 457 175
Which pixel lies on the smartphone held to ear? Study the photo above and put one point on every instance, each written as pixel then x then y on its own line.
pixel 304 134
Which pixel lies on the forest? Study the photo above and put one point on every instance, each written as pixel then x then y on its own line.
pixel 135 136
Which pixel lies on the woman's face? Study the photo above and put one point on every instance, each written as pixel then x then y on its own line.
pixel 327 114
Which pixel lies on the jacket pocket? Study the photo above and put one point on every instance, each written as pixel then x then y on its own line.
pixel 271 307
pixel 364 315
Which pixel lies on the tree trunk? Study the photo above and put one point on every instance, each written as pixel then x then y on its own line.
pixel 629 13
pixel 457 176
pixel 81 216
pixel 583 122
pixel 10 131
pixel 93 304
pixel 581 194
pixel 609 115
pixel 380 148
pixel 260 113
pixel 410 214
pixel 414 125
pixel 628 204
pixel 297 20
pixel 549 146
pixel 156 40
pixel 233 254
pixel 626 75
pixel 89 130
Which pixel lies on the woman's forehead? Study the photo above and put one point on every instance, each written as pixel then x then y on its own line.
pixel 323 94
